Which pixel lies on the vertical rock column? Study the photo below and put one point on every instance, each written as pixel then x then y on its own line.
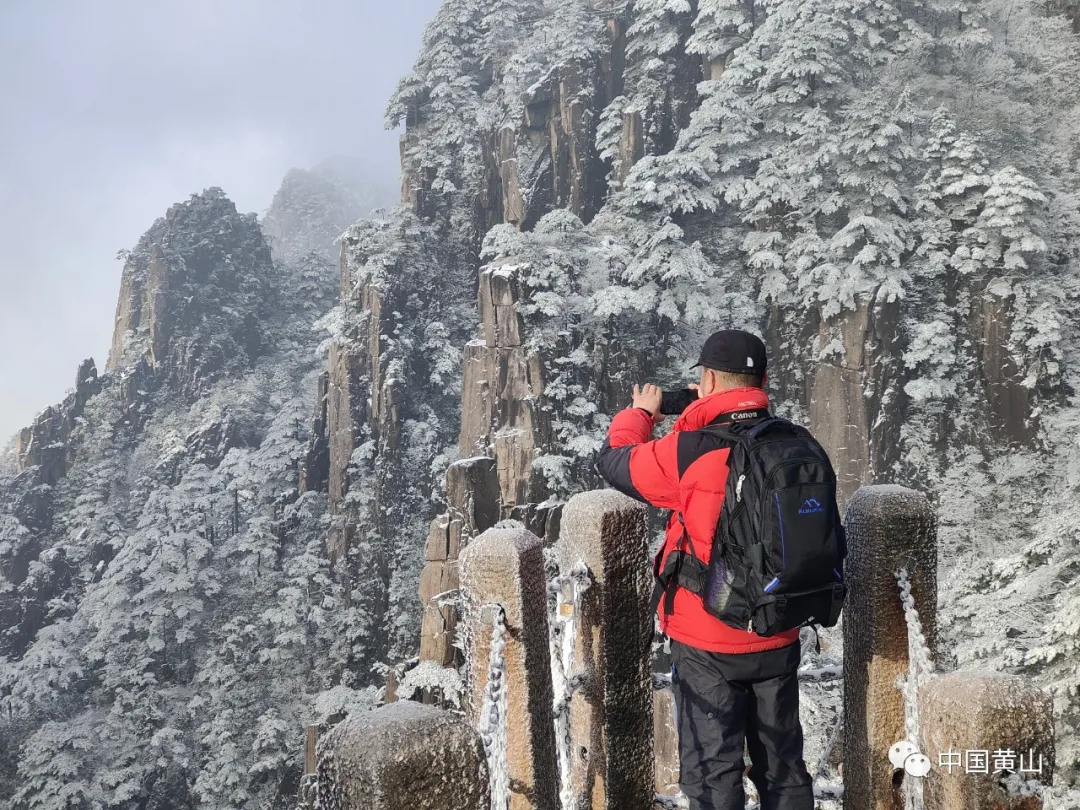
pixel 849 390
pixel 401 757
pixel 888 528
pixel 502 394
pixel 472 493
pixel 503 569
pixel 984 735
pixel 611 724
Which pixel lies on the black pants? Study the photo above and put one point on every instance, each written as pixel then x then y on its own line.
pixel 723 701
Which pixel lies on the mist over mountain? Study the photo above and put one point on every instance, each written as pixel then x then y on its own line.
pixel 314 207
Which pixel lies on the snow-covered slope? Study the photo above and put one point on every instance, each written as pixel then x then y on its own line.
pixel 168 619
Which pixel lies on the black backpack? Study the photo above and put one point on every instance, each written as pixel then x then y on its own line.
pixel 778 551
pixel 778 554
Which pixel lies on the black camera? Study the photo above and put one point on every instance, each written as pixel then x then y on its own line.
pixel 673 403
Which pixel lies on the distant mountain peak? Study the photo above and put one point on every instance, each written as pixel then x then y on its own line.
pixel 194 291
pixel 313 208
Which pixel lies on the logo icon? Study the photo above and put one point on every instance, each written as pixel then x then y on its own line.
pixel 811 506
pixel 905 755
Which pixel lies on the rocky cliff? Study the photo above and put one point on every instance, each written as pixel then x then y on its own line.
pixel 192 307
pixel 161 575
pixel 598 186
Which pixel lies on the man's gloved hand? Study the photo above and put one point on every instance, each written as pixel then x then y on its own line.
pixel 648 398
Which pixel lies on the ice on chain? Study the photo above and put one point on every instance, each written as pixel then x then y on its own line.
pixel 565 593
pixel 920 668
pixel 493 715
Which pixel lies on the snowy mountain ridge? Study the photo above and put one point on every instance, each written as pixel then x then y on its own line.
pixel 169 621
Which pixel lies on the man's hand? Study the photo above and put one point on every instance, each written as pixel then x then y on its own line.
pixel 648 398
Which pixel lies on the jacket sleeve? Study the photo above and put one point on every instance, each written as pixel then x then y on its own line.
pixel 637 466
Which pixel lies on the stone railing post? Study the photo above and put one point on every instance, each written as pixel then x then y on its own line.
pixel 611 711
pixel 888 528
pixel 981 733
pixel 503 569
pixel 401 757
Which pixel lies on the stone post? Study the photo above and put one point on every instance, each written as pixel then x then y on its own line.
pixel 405 756
pixel 611 712
pixel 504 568
pixel 1008 724
pixel 888 527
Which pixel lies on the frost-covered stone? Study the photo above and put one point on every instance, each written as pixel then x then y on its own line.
pixel 404 756
pixel 611 729
pixel 503 569
pixel 888 528
pixel 1009 719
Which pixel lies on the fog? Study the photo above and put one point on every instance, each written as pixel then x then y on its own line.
pixel 114 110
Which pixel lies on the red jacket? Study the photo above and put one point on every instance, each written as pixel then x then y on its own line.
pixel 685 472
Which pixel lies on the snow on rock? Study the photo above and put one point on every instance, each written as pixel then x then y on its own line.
pixel 431 676
pixel 402 756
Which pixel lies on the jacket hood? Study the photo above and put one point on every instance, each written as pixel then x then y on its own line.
pixel 707 409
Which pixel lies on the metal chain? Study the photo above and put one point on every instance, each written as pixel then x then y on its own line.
pixel 823 763
pixel 565 593
pixel 920 668
pixel 921 665
pixel 492 725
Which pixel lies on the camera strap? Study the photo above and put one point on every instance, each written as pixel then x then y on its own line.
pixel 748 415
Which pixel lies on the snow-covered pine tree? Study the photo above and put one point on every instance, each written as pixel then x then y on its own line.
pixel 720 27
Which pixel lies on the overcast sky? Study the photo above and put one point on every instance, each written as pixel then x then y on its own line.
pixel 114 110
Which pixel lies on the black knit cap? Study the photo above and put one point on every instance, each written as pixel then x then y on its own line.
pixel 733 350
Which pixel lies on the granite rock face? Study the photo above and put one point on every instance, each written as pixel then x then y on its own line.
pixel 502 391
pixel 473 498
pixel 315 469
pixel 1010 401
pixel 44 443
pixel 854 407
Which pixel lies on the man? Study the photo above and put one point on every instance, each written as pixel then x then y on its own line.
pixel 731 686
